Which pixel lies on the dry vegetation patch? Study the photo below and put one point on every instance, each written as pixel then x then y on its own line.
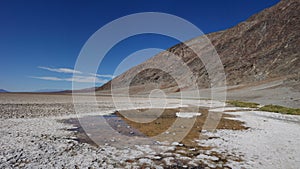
pixel 280 109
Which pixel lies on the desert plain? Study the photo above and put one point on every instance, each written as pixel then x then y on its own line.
pixel 36 132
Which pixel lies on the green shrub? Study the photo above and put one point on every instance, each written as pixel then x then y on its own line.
pixel 242 104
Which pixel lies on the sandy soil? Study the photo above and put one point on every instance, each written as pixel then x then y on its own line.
pixel 33 136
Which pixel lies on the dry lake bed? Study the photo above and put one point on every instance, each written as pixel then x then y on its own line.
pixel 46 131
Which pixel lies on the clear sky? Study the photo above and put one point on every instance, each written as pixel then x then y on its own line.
pixel 40 40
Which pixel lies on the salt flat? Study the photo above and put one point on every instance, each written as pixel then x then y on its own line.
pixel 33 136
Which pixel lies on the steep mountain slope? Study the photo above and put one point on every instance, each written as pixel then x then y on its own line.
pixel 264 47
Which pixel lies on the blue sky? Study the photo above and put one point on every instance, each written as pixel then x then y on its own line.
pixel 41 40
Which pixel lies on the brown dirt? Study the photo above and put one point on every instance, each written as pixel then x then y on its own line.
pixel 168 117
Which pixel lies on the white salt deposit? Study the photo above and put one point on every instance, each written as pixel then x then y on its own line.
pixel 187 114
pixel 273 140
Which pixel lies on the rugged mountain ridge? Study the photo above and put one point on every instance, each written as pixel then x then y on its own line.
pixel 263 47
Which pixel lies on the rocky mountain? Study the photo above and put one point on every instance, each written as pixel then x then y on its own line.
pixel 266 46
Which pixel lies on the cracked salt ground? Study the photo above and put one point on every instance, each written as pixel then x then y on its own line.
pixel 45 142
pixel 272 142
pixel 164 153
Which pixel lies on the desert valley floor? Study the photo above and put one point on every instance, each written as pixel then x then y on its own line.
pixel 37 131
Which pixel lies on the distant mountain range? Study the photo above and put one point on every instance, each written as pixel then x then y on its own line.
pixel 37 91
pixel 47 90
pixel 3 91
pixel 263 47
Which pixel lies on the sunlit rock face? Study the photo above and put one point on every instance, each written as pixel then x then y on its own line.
pixel 262 48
